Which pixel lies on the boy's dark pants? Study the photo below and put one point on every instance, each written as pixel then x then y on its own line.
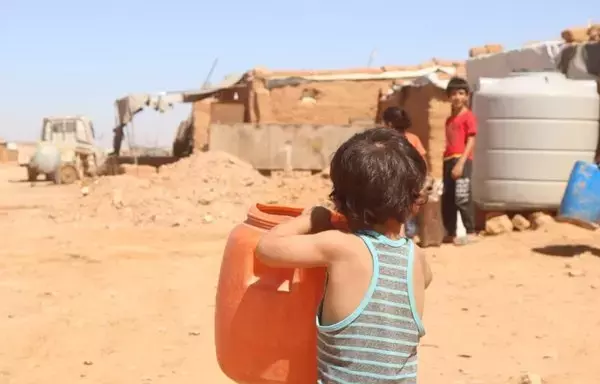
pixel 457 197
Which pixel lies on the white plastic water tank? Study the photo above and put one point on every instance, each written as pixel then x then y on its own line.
pixel 532 128
pixel 46 158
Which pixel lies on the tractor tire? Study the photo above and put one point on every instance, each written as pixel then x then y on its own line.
pixel 66 174
pixel 31 174
pixel 183 145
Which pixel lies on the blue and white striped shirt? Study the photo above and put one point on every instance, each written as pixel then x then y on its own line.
pixel 377 344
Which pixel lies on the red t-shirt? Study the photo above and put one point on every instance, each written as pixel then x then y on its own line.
pixel 458 130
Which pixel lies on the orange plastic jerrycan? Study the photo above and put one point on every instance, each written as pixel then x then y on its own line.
pixel 265 317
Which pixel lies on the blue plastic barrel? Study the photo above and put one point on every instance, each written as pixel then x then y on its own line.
pixel 581 200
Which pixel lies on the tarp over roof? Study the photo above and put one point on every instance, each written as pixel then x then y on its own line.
pixel 126 107
pixel 409 75
pixel 432 78
pixel 576 61
pixel 580 60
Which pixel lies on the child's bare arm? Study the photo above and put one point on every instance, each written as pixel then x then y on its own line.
pixel 427 274
pixel 295 243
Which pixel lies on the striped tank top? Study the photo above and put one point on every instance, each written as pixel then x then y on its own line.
pixel 377 343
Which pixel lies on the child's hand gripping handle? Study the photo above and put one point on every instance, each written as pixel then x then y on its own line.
pixel 324 218
pixel 283 279
pixel 338 221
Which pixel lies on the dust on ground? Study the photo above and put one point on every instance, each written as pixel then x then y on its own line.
pixel 106 296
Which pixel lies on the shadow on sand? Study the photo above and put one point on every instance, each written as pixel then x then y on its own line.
pixel 567 250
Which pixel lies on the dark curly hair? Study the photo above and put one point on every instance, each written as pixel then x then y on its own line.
pixel 457 84
pixel 397 118
pixel 377 175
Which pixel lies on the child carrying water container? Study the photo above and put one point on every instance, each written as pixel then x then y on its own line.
pixel 369 321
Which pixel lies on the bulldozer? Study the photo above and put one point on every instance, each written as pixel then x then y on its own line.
pixel 66 151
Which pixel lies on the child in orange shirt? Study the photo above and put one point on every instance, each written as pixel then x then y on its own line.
pixel 398 119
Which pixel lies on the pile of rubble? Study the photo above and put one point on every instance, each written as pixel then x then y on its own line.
pixel 504 224
pixel 204 188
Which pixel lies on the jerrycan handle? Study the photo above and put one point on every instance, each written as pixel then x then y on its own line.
pixel 337 219
pixel 278 285
pixel 286 285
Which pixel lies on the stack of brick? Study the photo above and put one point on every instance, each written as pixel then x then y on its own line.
pixel 487 49
pixel 3 151
pixel 201 122
pixel 7 154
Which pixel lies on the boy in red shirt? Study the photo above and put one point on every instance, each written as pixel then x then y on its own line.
pixel 461 129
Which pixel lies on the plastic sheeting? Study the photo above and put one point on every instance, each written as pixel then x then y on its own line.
pixel 424 74
pixel 126 107
pixel 580 61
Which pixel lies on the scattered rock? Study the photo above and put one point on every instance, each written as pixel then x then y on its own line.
pixel 540 219
pixel 498 225
pixel 117 198
pixel 207 219
pixel 520 223
pixel 206 200
pixel 530 378
pixel 576 273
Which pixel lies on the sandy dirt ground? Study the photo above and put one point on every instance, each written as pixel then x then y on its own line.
pixel 130 299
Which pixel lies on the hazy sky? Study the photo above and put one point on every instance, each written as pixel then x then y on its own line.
pixel 76 57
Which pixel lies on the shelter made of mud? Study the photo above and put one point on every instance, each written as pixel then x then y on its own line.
pixel 8 152
pixel 428 106
pixel 339 97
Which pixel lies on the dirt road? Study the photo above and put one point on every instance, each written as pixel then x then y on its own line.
pixel 105 304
